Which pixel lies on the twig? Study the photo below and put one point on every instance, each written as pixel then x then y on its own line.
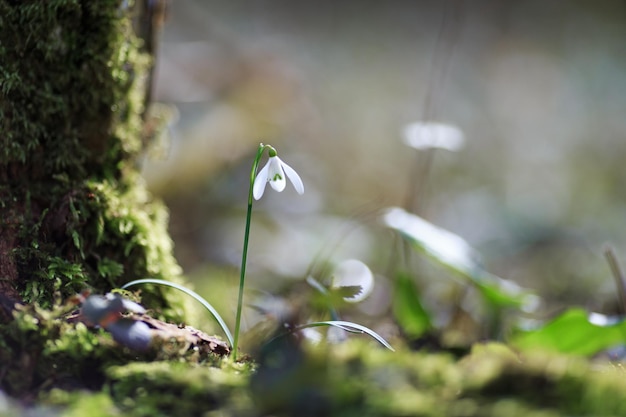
pixel 609 254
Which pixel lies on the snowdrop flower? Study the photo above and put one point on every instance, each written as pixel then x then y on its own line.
pixel 425 135
pixel 274 173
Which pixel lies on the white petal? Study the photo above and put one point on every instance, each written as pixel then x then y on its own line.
pixel 260 182
pixel 276 175
pixel 294 178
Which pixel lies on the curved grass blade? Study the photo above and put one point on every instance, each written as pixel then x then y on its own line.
pixel 349 327
pixel 192 294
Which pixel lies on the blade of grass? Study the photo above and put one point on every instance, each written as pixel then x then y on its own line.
pixel 620 282
pixel 348 326
pixel 192 294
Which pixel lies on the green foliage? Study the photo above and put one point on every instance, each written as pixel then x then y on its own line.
pixel 574 332
pixel 108 268
pixel 64 272
pixel 407 307
pixel 60 275
pixel 457 255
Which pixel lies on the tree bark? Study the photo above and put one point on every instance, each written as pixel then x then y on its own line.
pixel 74 213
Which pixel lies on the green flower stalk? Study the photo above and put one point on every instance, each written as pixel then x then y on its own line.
pixel 275 173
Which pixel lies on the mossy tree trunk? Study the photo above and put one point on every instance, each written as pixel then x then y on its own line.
pixel 74 214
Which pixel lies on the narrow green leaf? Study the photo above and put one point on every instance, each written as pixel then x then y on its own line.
pixel 574 332
pixel 408 309
pixel 348 326
pixel 77 243
pixel 192 294
pixel 457 255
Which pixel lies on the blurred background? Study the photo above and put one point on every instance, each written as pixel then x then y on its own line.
pixel 538 89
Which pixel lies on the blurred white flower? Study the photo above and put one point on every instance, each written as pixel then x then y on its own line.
pixel 425 135
pixel 354 277
pixel 274 173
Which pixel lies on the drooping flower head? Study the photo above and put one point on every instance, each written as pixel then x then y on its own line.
pixel 274 173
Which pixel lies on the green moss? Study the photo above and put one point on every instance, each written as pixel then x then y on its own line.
pixel 73 78
pixel 110 235
pixel 360 379
pixel 73 81
pixel 571 385
pixel 45 349
pixel 84 403
pixel 74 212
pixel 166 389
pixel 356 378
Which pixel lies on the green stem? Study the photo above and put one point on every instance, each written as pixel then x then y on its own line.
pixel 244 255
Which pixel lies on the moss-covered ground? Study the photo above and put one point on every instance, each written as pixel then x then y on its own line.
pixel 50 362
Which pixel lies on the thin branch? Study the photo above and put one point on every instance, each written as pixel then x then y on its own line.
pixel 620 282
